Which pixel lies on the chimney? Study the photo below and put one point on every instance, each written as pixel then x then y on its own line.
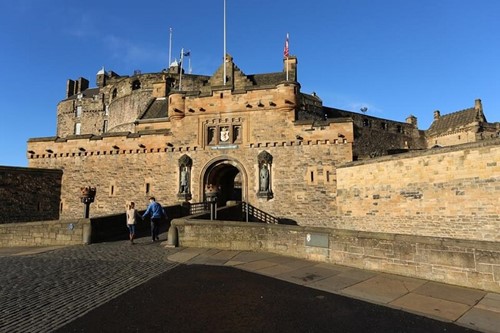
pixel 437 115
pixel 83 84
pixel 70 88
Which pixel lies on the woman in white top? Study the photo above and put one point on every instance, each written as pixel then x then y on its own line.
pixel 132 216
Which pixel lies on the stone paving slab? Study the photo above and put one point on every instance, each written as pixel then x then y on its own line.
pixel 335 283
pixel 186 255
pixel 451 293
pixel 245 257
pixel 286 267
pixel 305 275
pixel 383 288
pixel 433 307
pixel 254 266
pixel 490 302
pixel 482 320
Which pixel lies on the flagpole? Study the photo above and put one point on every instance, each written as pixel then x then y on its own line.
pixel 224 58
pixel 180 73
pixel 170 49
pixel 287 50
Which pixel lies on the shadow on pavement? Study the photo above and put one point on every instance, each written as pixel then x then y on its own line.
pixel 194 298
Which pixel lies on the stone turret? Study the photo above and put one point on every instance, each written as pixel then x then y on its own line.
pixel 177 105
pixel 411 119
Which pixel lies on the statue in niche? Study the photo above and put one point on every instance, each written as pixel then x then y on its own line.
pixel 237 133
pixel 211 135
pixel 265 161
pixel 264 178
pixel 184 188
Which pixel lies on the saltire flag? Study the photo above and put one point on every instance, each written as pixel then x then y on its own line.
pixel 286 50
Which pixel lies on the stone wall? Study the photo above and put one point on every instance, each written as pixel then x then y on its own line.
pixel 474 264
pixel 29 194
pixel 303 173
pixel 445 192
pixel 46 233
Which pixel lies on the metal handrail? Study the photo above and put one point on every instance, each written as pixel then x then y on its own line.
pixel 258 214
pixel 249 212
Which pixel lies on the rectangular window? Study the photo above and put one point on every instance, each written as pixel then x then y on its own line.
pixel 147 188
pixel 78 112
pixel 105 126
pixel 78 128
pixel 106 110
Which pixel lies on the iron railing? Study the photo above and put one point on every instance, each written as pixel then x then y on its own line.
pixel 249 213
pixel 256 215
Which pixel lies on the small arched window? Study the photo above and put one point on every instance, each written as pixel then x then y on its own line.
pixel 114 93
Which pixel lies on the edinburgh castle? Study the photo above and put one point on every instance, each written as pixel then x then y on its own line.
pixel 331 185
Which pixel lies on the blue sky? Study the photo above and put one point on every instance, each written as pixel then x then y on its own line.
pixel 395 57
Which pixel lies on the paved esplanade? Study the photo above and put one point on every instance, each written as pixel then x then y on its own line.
pixel 42 290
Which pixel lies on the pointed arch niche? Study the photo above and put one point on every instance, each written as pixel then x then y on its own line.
pixel 265 162
pixel 185 165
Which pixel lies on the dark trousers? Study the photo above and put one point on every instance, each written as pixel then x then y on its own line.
pixel 155 228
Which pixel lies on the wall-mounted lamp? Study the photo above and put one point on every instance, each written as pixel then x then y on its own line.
pixel 248 105
pixel 50 151
pixel 260 104
pixel 81 149
pixel 141 145
pixel 271 103
pixel 202 110
pixel 298 137
pixel 169 144
pixel 116 147
pixel 31 152
pixel 341 135
pixel 191 110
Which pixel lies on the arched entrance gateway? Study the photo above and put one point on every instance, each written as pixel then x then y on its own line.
pixel 228 177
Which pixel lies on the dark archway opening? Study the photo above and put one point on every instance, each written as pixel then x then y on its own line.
pixel 228 181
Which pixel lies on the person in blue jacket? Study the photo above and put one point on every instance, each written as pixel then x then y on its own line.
pixel 155 210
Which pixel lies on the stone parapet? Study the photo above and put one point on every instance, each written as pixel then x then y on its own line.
pixel 468 263
pixel 46 233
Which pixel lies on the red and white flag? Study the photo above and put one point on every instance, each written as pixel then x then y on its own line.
pixel 286 50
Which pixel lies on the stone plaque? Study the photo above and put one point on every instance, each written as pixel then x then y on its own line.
pixel 317 240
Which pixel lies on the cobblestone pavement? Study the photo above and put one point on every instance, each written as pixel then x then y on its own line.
pixel 42 292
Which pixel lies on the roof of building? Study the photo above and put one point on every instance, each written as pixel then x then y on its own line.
pixel 158 108
pixel 86 93
pixel 455 120
pixel 267 79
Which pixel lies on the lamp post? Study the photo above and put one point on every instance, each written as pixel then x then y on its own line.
pixel 211 195
pixel 87 197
